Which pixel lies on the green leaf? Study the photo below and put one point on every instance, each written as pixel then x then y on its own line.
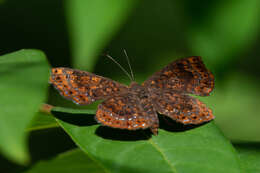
pixel 91 25
pixel 24 80
pixel 203 149
pixel 2 2
pixel 42 121
pixel 249 154
pixel 73 111
pixel 222 32
pixel 74 161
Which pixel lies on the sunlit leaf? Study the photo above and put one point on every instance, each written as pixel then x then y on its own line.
pixel 203 149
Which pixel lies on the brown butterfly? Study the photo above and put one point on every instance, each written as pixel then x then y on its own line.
pixel 136 106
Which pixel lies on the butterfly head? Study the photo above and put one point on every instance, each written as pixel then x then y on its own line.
pixel 134 85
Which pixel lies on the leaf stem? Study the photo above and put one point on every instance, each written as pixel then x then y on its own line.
pixel 46 108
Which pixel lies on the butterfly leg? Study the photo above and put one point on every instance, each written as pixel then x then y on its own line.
pixel 154 127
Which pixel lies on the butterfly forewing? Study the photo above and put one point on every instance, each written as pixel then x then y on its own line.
pixel 135 107
pixel 187 75
pixel 126 112
pixel 83 87
pixel 181 107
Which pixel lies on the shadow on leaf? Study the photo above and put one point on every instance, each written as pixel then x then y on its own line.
pixel 168 124
pixel 123 134
pixel 85 119
pixel 249 146
pixel 75 119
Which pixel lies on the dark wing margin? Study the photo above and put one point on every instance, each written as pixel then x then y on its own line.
pixel 126 112
pixel 182 108
pixel 83 87
pixel 187 75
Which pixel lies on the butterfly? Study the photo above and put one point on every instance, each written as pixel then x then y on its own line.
pixel 135 106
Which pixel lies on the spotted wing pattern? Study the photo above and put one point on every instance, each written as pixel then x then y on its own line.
pixel 83 87
pixel 127 112
pixel 135 107
pixel 187 75
pixel 182 108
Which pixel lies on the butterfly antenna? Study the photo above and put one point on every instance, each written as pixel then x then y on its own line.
pixel 129 64
pixel 122 68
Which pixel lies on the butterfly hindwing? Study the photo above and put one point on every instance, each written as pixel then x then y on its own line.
pixel 126 112
pixel 187 75
pixel 83 87
pixel 135 107
pixel 182 108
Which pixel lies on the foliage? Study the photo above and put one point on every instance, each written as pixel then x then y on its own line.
pixel 154 33
pixel 24 76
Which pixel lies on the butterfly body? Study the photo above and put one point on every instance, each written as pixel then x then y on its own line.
pixel 135 106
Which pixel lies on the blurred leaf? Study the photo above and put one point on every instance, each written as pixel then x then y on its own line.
pixel 24 81
pixel 2 2
pixel 72 161
pixel 249 154
pixel 203 149
pixel 42 121
pixel 91 25
pixel 237 108
pixel 225 30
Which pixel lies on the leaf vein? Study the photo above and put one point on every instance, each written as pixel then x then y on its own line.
pixel 163 155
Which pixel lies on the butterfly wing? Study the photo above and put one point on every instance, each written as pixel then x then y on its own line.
pixel 83 87
pixel 127 112
pixel 181 107
pixel 187 75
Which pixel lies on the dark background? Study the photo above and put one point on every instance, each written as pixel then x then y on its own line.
pixel 225 33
